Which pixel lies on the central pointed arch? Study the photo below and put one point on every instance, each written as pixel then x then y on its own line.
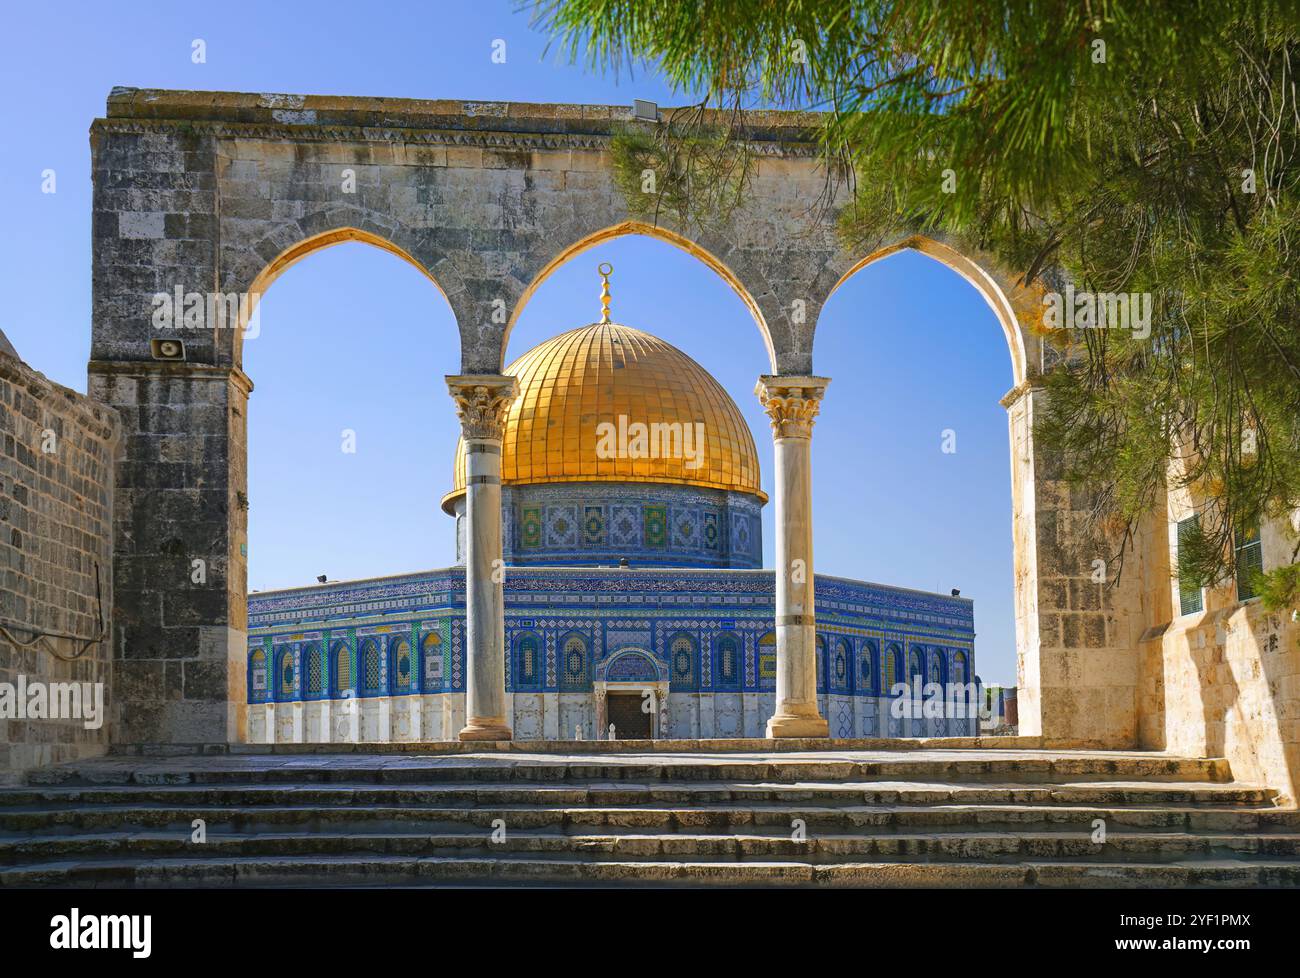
pixel 691 247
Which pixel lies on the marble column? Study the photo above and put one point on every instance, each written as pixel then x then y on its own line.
pixel 792 403
pixel 481 403
pixel 602 714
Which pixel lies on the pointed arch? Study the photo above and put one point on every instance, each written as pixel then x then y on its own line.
pixel 370 666
pixel 1014 304
pixel 936 669
pixel 254 279
pixel 258 686
pixel 575 661
pixel 343 673
pixel 1017 306
pixel 916 663
pixel 767 661
pixel 694 248
pixel 286 675
pixel 527 670
pixel 684 661
pixel 401 664
pixel 959 670
pixel 867 674
pixel 631 665
pixel 823 680
pixel 313 672
pixel 890 666
pixel 726 661
pixel 840 666
pixel 431 647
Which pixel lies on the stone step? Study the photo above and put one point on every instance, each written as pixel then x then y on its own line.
pixel 625 817
pixel 938 766
pixel 375 870
pixel 850 818
pixel 985 845
pixel 570 795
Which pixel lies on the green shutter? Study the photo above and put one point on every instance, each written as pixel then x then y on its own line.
pixel 1190 597
pixel 1249 560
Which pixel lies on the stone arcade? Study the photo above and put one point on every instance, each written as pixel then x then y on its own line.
pixel 486 199
pixel 222 192
pixel 632 592
pixel 1172 714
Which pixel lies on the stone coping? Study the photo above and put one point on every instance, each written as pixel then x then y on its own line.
pixel 250 108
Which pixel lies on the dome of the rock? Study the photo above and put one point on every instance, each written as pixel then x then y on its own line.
pixel 629 512
pixel 601 381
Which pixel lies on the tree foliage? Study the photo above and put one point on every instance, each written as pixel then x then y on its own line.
pixel 689 167
pixel 1124 147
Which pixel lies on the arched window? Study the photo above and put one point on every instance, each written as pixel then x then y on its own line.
pixel 314 667
pixel 889 670
pixel 528 653
pixel 371 667
pixel 285 673
pixel 257 674
pixel 342 668
pixel 432 647
pixel 767 660
pixel 916 664
pixel 399 651
pixel 959 667
pixel 866 664
pixel 842 664
pixel 936 666
pixel 821 663
pixel 727 655
pixel 631 667
pixel 681 656
pixel 574 655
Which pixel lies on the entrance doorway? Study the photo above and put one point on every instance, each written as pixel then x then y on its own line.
pixel 630 720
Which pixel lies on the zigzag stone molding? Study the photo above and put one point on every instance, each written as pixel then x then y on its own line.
pixel 484 139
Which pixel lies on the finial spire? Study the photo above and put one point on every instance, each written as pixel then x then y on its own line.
pixel 606 270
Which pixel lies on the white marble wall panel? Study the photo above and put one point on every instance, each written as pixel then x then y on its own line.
pixel 527 716
pixel 728 715
pixel 577 712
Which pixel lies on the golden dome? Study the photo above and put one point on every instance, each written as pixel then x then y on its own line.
pixel 573 384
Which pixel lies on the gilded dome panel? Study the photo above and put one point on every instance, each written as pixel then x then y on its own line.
pixel 579 392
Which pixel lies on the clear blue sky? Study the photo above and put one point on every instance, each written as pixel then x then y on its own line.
pixel 353 338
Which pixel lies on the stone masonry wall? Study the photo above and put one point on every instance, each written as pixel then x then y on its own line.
pixel 1223 681
pixel 181 551
pixel 1076 632
pixel 57 458
pixel 1229 687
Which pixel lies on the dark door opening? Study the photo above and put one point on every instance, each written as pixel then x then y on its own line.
pixel 630 721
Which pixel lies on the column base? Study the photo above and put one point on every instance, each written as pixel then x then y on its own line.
pixel 797 726
pixel 486 730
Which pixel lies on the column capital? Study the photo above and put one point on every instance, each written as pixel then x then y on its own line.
pixel 481 403
pixel 792 402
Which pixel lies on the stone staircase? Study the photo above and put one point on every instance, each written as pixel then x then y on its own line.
pixel 918 817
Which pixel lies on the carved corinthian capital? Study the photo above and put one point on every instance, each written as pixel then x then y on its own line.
pixel 791 402
pixel 481 403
